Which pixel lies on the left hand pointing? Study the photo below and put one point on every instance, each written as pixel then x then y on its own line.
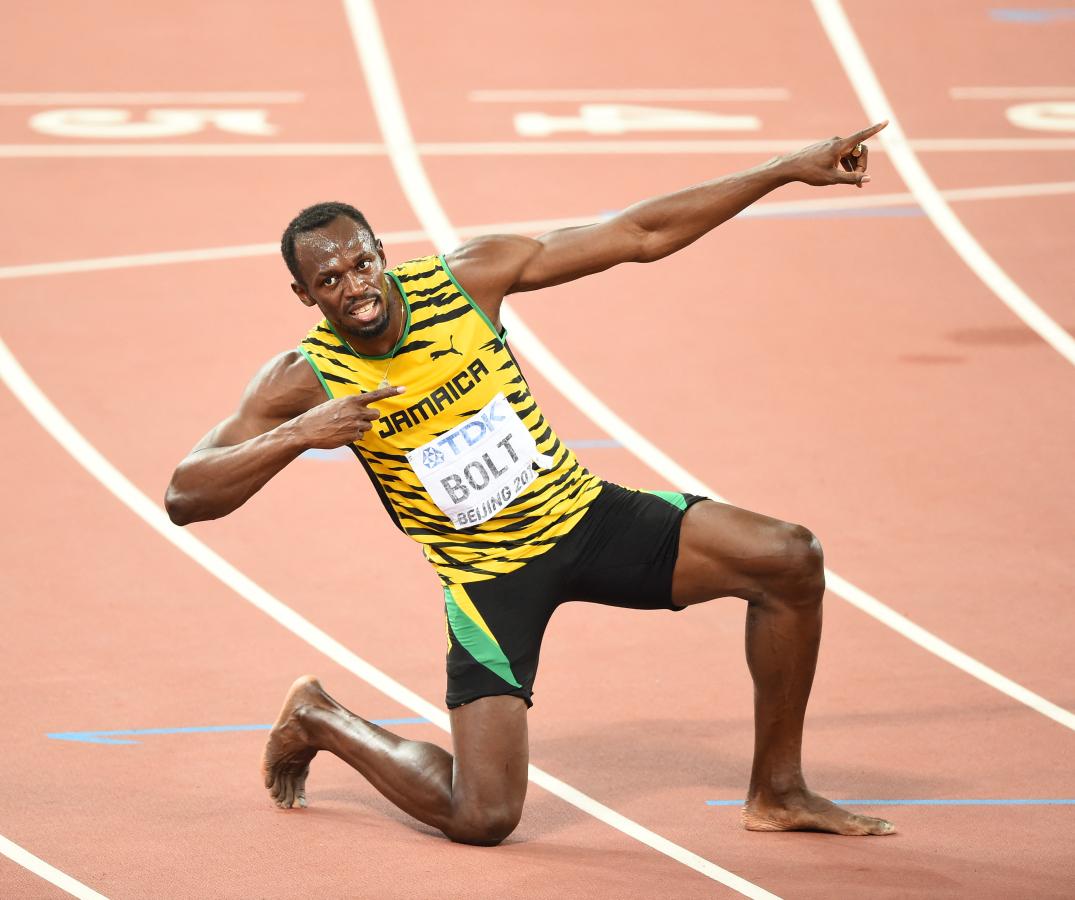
pixel 820 163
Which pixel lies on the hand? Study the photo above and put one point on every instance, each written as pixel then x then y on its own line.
pixel 336 423
pixel 820 163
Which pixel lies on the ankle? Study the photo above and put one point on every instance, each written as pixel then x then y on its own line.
pixel 777 789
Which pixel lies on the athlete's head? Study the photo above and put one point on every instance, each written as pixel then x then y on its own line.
pixel 338 265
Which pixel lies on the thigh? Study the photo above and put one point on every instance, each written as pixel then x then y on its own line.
pixel 725 551
pixel 494 630
pixel 491 754
pixel 628 553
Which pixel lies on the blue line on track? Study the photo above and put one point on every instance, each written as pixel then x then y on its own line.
pixel 337 453
pixel 1032 16
pixel 868 212
pixel 899 211
pixel 344 453
pixel 962 802
pixel 109 737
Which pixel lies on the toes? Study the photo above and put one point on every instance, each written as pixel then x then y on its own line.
pixel 277 790
pixel 881 826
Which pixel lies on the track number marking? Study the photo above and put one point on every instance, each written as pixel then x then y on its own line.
pixel 1046 115
pixel 109 122
pixel 614 118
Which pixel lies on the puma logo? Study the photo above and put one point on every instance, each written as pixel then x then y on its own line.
pixel 437 354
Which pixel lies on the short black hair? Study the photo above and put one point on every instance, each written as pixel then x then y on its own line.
pixel 314 217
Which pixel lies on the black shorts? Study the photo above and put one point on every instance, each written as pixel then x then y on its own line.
pixel 621 553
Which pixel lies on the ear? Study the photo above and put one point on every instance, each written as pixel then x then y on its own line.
pixel 301 293
pixel 380 252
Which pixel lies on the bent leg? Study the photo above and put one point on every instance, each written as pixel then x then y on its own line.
pixel 778 569
pixel 475 797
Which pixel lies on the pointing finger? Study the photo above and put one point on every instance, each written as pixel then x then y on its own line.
pixel 860 136
pixel 372 396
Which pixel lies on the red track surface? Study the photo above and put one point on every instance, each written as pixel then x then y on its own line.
pixel 849 373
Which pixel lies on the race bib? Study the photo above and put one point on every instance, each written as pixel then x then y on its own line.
pixel 476 469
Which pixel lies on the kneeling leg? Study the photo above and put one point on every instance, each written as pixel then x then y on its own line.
pixel 475 797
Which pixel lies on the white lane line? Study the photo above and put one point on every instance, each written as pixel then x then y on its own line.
pixel 123 151
pixel 627 95
pixel 134 98
pixel 532 226
pixel 387 106
pixel 51 874
pixel 872 97
pixel 506 148
pixel 1044 92
pixel 1011 191
pixel 986 145
pixel 138 259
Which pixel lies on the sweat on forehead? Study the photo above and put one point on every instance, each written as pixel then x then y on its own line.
pixel 333 240
pixel 319 218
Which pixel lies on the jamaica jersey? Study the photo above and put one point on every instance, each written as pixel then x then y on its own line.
pixel 463 461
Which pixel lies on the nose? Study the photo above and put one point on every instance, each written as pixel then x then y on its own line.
pixel 354 283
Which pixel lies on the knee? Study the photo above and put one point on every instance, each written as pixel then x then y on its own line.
pixel 485 827
pixel 801 559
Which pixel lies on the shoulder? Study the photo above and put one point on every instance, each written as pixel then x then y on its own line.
pixel 488 267
pixel 284 387
pixel 495 250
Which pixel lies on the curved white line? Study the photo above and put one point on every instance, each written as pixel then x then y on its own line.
pixel 51 874
pixel 388 107
pixel 872 97
pixel 91 459
pixel 404 157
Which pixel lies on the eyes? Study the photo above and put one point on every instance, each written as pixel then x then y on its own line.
pixel 363 265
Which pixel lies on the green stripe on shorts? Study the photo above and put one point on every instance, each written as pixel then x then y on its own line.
pixel 677 500
pixel 475 640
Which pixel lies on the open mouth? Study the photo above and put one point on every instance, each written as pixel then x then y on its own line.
pixel 366 310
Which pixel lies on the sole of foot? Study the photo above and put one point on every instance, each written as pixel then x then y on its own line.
pixel 285 762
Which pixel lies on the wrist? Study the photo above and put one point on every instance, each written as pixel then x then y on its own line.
pixel 782 169
pixel 293 435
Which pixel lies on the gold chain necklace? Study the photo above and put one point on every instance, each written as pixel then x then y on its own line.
pixel 392 358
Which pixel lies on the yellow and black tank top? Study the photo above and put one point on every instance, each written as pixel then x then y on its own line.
pixel 464 461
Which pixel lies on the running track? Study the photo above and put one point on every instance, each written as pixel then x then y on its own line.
pixel 830 363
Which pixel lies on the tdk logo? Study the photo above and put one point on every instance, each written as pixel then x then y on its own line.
pixel 467 435
pixel 432 457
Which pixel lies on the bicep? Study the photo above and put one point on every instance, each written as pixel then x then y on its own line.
pixel 495 265
pixel 285 388
pixel 570 253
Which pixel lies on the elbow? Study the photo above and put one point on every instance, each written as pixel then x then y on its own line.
pixel 652 245
pixel 179 507
pixel 176 509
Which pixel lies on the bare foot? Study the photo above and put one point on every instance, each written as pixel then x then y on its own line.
pixel 286 760
pixel 806 811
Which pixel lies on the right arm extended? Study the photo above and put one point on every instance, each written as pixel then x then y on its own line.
pixel 283 413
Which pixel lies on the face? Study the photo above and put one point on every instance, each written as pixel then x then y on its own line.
pixel 342 268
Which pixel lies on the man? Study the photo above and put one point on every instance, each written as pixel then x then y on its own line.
pixel 465 464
